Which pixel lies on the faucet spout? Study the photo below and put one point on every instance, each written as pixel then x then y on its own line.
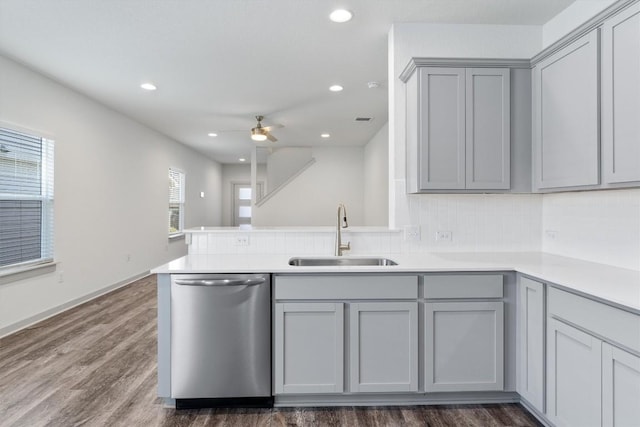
pixel 340 224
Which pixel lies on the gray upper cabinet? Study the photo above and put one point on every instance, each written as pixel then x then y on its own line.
pixel 566 116
pixel 441 122
pixel 488 128
pixel 621 97
pixel 458 129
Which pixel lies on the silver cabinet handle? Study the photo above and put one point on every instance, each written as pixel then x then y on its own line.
pixel 221 282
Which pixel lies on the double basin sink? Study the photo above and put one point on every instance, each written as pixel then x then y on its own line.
pixel 339 261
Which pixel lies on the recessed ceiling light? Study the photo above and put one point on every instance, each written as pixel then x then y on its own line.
pixel 335 88
pixel 242 159
pixel 341 15
pixel 212 134
pixel 148 86
pixel 325 135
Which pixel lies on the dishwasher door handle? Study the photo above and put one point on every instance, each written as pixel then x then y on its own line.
pixel 221 282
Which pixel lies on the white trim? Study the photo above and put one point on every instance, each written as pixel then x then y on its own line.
pixel 28 130
pixel 26 270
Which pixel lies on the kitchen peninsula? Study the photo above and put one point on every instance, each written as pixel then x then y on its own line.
pixel 435 328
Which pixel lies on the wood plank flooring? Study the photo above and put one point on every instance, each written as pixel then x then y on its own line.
pixel 95 365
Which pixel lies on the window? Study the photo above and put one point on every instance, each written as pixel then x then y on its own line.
pixel 26 199
pixel 176 201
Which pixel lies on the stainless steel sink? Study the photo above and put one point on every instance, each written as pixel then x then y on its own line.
pixel 339 261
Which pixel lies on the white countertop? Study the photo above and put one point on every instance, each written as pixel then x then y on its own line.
pixel 617 286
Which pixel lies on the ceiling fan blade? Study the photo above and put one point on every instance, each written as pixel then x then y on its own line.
pixel 271 127
pixel 271 137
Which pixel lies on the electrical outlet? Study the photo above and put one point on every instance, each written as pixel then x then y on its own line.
pixel 551 234
pixel 60 276
pixel 444 236
pixel 242 240
pixel 412 233
pixel 127 257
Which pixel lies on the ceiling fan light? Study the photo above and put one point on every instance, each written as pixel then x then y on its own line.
pixel 258 135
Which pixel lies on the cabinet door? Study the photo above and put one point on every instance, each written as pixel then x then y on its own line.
pixel 464 346
pixel 384 346
pixel 566 139
pixel 621 96
pixel 488 130
pixel 441 128
pixel 309 342
pixel 620 387
pixel 531 348
pixel 573 376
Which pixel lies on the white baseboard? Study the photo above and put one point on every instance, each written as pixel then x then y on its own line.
pixel 25 323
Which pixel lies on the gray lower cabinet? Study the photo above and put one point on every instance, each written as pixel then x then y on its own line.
pixel 464 346
pixel 620 387
pixel 322 322
pixel 566 133
pixel 383 346
pixel 309 341
pixel 531 332
pixel 573 376
pixel 458 129
pixel 621 96
pixel 593 362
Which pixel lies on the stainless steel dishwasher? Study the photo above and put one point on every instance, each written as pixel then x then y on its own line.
pixel 221 340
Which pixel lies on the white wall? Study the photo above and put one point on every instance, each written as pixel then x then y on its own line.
pixel 473 220
pixel 232 174
pixel 111 193
pixel 598 226
pixel 376 179
pixel 285 162
pixel 572 17
pixel 312 197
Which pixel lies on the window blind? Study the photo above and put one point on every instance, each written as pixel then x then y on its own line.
pixel 26 198
pixel 176 201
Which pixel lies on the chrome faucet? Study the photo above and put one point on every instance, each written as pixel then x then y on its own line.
pixel 341 223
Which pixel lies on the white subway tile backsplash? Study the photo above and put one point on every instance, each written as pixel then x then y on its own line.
pixel 477 222
pixel 599 226
pixel 295 242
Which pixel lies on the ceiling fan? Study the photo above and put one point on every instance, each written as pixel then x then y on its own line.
pixel 261 133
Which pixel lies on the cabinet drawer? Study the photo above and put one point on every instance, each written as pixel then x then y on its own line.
pixel 609 322
pixel 463 286
pixel 346 287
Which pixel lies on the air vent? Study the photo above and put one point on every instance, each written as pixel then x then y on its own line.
pixel 364 119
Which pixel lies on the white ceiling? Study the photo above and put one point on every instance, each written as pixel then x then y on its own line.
pixel 218 63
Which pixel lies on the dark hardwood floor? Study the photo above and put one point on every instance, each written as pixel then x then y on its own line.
pixel 95 365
